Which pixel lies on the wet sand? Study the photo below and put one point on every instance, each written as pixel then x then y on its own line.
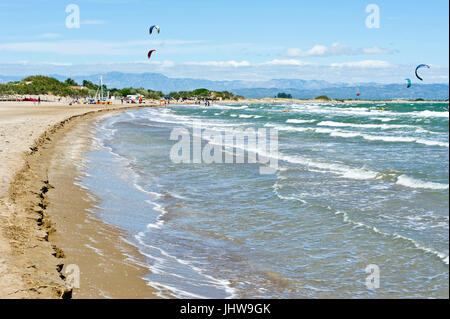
pixel 46 227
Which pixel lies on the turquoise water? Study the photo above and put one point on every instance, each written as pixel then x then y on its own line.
pixel 355 186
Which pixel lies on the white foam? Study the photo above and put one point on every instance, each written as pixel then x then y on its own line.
pixel 227 107
pixel 276 187
pixel 407 181
pixel 441 255
pixel 432 143
pixel 222 284
pixel 362 111
pixel 159 220
pixel 352 134
pixel 428 113
pixel 386 119
pixel 333 168
pixel 295 121
pixel 380 126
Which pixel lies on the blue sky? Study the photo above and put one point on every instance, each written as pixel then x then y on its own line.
pixel 247 40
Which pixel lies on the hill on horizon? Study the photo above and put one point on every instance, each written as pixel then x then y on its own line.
pixel 298 88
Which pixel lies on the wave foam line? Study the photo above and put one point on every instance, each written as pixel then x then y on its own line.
pixel 410 182
pixel 350 134
pixel 295 121
pixel 223 284
pixel 366 112
pixel 380 126
pixel 443 257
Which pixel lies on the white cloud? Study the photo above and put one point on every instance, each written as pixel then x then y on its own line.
pixel 19 62
pixel 48 36
pixel 234 64
pixel 58 63
pixel 163 64
pixel 287 62
pixel 375 50
pixel 88 47
pixel 439 77
pixel 348 72
pixel 367 64
pixel 320 50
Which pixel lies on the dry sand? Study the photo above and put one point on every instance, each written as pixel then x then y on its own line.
pixel 44 222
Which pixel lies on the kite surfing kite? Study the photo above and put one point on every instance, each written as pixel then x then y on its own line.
pixel 421 66
pixel 154 27
pixel 150 53
pixel 409 83
pixel 358 94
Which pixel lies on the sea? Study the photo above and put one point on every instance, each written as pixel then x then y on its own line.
pixel 357 207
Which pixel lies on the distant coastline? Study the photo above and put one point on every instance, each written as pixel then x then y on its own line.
pixel 158 85
pixel 280 101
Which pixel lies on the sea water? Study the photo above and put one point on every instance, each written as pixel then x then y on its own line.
pixel 356 185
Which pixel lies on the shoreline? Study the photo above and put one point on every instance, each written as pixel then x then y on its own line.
pixel 32 235
pixel 48 223
pixel 97 248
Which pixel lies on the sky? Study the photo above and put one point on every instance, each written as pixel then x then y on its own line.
pixel 338 41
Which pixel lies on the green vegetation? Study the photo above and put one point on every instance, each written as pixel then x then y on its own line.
pixel 284 96
pixel 71 82
pixel 42 85
pixel 203 94
pixel 323 97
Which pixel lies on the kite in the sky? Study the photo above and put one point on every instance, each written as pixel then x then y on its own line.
pixel 154 27
pixel 421 66
pixel 409 83
pixel 150 53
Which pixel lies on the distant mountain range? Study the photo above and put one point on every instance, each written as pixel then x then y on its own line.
pixel 258 89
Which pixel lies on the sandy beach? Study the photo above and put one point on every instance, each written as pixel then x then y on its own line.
pixel 48 224
pixel 45 224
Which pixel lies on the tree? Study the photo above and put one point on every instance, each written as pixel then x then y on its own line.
pixel 71 82
pixel 323 97
pixel 284 96
pixel 90 85
pixel 201 92
pixel 37 85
